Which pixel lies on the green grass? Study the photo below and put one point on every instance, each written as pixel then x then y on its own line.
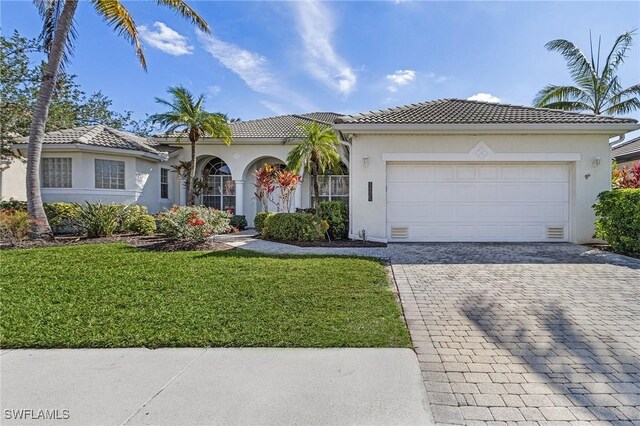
pixel 113 295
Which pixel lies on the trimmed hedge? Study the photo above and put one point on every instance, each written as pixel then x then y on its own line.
pixel 618 219
pixel 258 221
pixel 239 222
pixel 292 227
pixel 335 213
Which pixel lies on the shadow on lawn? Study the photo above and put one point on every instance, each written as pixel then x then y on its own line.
pixel 586 369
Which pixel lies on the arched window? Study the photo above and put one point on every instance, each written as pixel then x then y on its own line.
pixel 220 192
pixel 334 185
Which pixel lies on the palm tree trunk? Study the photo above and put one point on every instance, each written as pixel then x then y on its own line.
pixel 40 226
pixel 316 188
pixel 192 173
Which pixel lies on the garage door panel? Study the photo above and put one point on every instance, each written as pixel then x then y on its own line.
pixel 477 202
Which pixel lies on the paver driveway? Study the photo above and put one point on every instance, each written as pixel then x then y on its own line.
pixel 523 333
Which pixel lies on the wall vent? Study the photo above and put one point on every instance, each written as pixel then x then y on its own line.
pixel 555 232
pixel 398 233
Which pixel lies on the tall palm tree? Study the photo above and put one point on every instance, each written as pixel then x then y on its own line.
pixel 317 152
pixel 188 117
pixel 58 35
pixel 597 88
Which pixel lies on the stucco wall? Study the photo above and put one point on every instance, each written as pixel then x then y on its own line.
pixel 13 181
pixel 371 216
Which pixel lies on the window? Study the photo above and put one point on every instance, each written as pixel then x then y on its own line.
pixel 109 174
pixel 334 187
pixel 220 191
pixel 164 183
pixel 56 172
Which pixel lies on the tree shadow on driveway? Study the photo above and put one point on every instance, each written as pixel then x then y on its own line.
pixel 588 356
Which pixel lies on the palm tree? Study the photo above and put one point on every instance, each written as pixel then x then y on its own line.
pixel 317 152
pixel 58 35
pixel 188 117
pixel 597 88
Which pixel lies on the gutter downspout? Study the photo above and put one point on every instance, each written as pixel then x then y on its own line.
pixel 620 139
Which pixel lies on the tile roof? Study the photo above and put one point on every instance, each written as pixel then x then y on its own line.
pixel 103 136
pixel 629 149
pixel 460 111
pixel 279 127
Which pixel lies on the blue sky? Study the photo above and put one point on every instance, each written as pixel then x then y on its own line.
pixel 267 58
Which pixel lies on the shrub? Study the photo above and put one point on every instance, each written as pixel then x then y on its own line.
pixel 618 219
pixel 62 216
pixel 292 227
pixel 15 225
pixel 194 222
pixel 99 220
pixel 136 219
pixel 335 213
pixel 258 221
pixel 12 204
pixel 626 177
pixel 239 222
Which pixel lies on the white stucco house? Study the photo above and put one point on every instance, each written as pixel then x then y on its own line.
pixel 444 170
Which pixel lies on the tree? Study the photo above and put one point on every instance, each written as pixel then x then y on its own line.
pixel 58 35
pixel 597 87
pixel 188 117
pixel 317 152
pixel 21 70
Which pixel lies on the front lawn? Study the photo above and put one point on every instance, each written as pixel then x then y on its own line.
pixel 114 295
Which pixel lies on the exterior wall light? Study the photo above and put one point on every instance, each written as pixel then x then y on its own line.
pixel 596 162
pixel 365 161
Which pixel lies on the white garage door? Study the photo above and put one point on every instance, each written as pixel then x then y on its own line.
pixel 477 202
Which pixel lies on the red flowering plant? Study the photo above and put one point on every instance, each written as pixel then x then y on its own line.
pixel 275 186
pixel 265 185
pixel 194 222
pixel 287 182
pixel 627 177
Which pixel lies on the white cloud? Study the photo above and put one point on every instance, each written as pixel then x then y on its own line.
pixel 484 97
pixel 315 26
pixel 165 39
pixel 214 90
pixel 400 78
pixel 249 66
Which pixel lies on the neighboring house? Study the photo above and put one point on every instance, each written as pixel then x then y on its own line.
pixel 626 153
pixel 445 170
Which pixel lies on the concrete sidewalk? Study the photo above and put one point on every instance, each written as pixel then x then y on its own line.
pixel 214 386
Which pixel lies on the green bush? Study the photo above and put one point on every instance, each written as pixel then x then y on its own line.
pixel 258 221
pixel 12 204
pixel 292 227
pixel 335 213
pixel 62 216
pixel 136 219
pixel 15 225
pixel 194 222
pixel 618 219
pixel 99 220
pixel 239 222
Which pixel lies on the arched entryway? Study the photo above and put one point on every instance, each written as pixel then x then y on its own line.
pixel 219 190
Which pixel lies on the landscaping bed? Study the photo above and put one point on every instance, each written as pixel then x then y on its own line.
pixel 116 295
pixel 332 243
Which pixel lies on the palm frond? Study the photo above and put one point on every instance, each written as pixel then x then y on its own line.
pixel 552 94
pixel 624 107
pixel 569 106
pixel 116 15
pixel 50 11
pixel 184 10
pixel 617 54
pixel 577 62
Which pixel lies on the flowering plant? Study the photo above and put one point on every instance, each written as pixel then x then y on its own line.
pixel 194 222
pixel 627 177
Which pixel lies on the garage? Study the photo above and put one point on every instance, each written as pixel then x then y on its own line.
pixel 477 202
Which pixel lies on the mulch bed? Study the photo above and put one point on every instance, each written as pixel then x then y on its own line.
pixel 153 242
pixel 334 244
pixel 607 247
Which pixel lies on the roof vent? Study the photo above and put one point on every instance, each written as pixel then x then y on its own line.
pixel 398 233
pixel 555 232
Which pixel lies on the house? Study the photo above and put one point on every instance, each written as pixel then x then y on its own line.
pixel 444 170
pixel 626 153
pixel 458 170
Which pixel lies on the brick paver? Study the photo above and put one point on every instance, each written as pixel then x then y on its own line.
pixel 526 333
